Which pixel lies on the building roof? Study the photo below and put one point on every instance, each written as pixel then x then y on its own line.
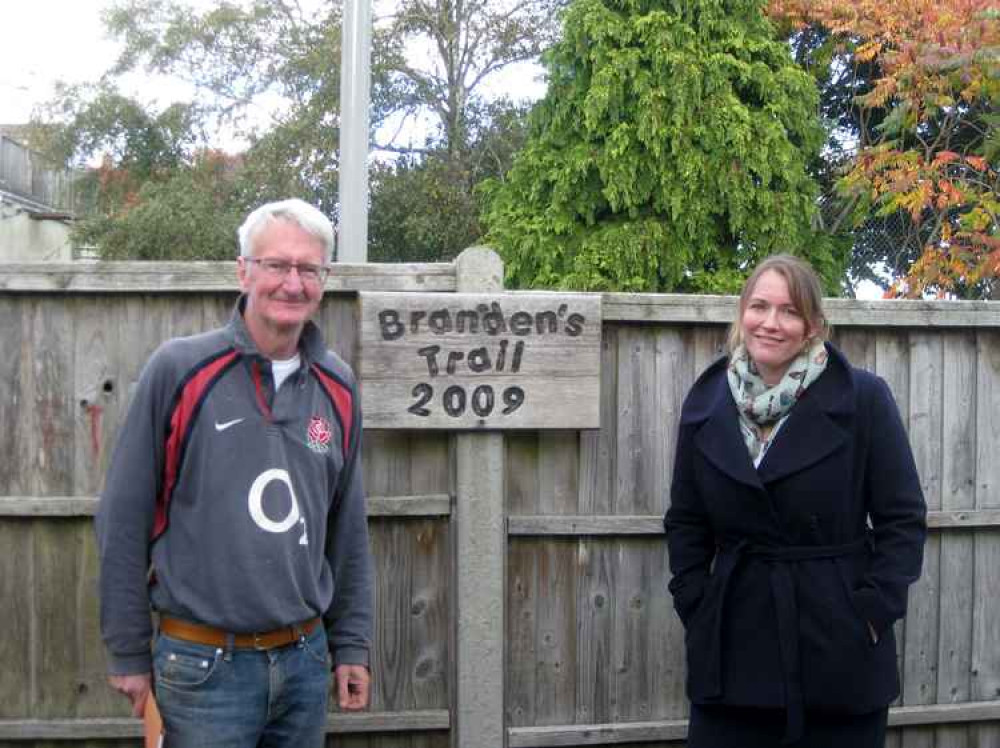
pixel 35 210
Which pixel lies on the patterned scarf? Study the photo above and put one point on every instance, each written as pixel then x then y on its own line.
pixel 760 404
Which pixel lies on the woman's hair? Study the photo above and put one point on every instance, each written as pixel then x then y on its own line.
pixel 804 289
pixel 296 211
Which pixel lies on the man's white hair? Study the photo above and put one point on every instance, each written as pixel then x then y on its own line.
pixel 302 214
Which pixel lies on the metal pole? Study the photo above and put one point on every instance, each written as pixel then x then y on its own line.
pixel 355 85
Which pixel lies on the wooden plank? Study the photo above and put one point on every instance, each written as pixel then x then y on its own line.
pixel 892 363
pixel 421 505
pixel 522 495
pixel 429 609
pixel 640 461
pixel 604 524
pixel 630 350
pixel 648 672
pixel 958 478
pixel 668 308
pixel 656 417
pixel 668 668
pixel 69 729
pixel 431 627
pixel 191 277
pixel 392 551
pixel 555 620
pixel 986 615
pixel 47 426
pixel 480 360
pixel 217 309
pixel 187 319
pixel 385 459
pixel 594 665
pixel 939 714
pixel 558 472
pixel 116 727
pixel 338 319
pixel 673 374
pixel 15 373
pixel 692 309
pixel 522 608
pixel 964 518
pixel 674 730
pixel 521 472
pixel 521 737
pixel 858 345
pixel 48 422
pixel 597 734
pixel 708 344
pixel 555 634
pixel 920 652
pixel 57 552
pixel 430 464
pixel 94 697
pixel 427 505
pixel 598 452
pixel 98 401
pixel 434 505
pixel 412 643
pixel 387 471
pixel 17 678
pixel 596 559
pixel 143 329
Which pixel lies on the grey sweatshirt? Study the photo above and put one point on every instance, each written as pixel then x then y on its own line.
pixel 229 504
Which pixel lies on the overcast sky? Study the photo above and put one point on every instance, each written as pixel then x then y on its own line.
pixel 46 40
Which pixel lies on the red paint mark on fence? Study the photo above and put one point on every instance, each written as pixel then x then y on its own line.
pixel 95 412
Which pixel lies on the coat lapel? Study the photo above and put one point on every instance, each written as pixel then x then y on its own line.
pixel 812 431
pixel 807 437
pixel 719 438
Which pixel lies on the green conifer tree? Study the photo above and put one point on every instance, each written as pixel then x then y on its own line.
pixel 669 154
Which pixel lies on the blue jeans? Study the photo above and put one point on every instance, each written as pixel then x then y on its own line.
pixel 243 698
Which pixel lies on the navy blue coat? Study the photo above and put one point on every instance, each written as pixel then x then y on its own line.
pixel 778 570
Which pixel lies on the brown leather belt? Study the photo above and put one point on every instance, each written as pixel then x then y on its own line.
pixel 214 637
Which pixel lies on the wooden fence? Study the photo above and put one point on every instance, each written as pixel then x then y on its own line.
pixel 521 589
pixel 27 174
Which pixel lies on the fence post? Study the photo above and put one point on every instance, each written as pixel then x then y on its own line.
pixel 480 555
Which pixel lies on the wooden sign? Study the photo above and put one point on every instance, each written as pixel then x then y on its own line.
pixel 480 361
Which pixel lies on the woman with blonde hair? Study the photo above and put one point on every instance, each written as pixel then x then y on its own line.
pixel 795 527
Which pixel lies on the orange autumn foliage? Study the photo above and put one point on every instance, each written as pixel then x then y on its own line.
pixel 939 63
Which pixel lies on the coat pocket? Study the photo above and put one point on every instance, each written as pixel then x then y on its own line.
pixel 849 579
pixel 843 669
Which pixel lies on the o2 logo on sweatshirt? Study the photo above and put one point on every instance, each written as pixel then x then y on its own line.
pixel 255 503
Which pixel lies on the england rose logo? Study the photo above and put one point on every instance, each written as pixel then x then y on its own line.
pixel 319 435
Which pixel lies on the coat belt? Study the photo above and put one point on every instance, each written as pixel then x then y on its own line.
pixel 779 560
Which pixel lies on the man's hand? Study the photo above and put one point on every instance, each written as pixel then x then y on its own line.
pixel 353 682
pixel 135 687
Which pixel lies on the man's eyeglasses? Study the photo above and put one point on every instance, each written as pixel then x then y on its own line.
pixel 308 273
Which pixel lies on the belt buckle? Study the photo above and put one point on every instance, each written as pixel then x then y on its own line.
pixel 257 642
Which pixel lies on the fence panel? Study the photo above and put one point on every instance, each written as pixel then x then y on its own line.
pixel 628 660
pixel 594 652
pixel 78 356
pixel 28 174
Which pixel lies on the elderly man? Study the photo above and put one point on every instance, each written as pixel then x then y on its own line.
pixel 234 508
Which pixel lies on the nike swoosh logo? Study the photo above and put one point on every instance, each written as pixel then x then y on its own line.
pixel 227 424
